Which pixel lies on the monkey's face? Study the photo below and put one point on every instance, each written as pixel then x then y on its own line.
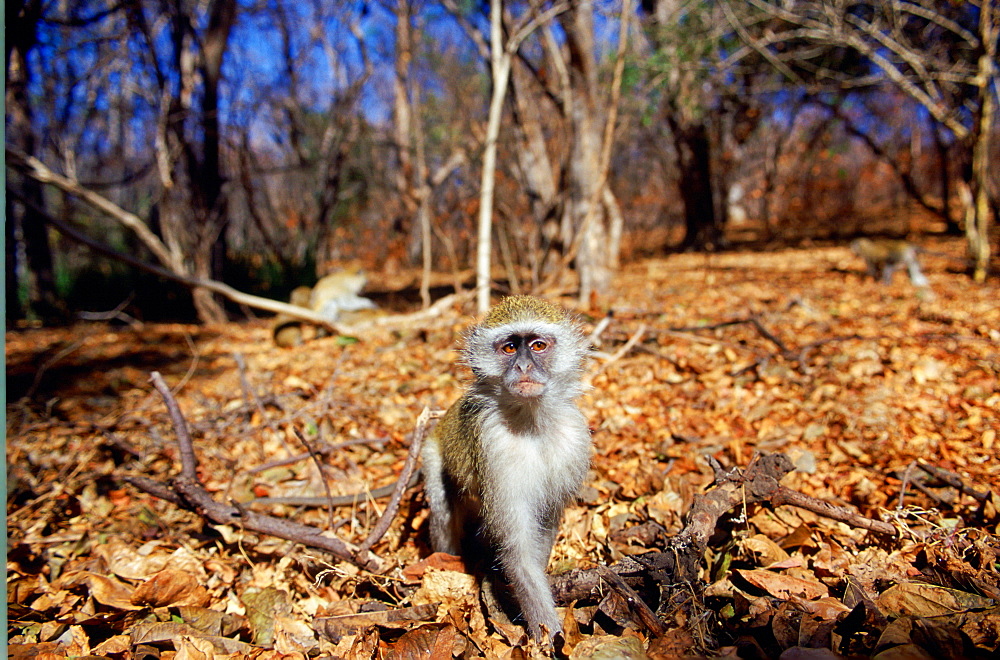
pixel 527 353
pixel 525 362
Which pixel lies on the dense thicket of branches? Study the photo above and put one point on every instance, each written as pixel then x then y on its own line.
pixel 264 142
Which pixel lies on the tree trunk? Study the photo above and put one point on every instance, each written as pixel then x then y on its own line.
pixel 585 180
pixel 952 227
pixel 989 30
pixel 695 165
pixel 537 175
pixel 210 202
pixel 25 227
pixel 406 120
pixel 500 67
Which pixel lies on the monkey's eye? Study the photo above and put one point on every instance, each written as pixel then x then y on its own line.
pixel 538 345
pixel 509 347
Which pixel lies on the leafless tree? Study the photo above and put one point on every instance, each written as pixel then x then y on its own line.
pixel 942 55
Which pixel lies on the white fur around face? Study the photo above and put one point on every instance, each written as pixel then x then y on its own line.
pixel 570 347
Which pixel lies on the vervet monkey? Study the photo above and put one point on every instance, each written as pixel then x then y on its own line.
pixel 338 292
pixel 883 257
pixel 512 452
pixel 333 296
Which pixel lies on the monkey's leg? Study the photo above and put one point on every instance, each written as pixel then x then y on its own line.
pixel 524 554
pixel 887 272
pixel 916 275
pixel 446 522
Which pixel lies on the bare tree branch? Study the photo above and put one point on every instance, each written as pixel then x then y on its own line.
pixel 37 170
pixel 187 491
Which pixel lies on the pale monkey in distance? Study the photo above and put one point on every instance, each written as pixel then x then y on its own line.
pixel 512 452
pixel 883 257
pixel 335 296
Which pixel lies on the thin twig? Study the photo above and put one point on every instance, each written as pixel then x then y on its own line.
pixel 904 484
pixel 626 347
pixel 322 474
pixel 322 451
pixel 48 363
pixel 250 394
pixel 788 496
pixel 189 464
pixel 187 491
pixel 404 478
pixel 952 480
pixel 118 313
pixel 635 602
pixel 602 325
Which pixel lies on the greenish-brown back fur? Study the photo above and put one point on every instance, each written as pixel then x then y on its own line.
pixel 461 453
pixel 522 308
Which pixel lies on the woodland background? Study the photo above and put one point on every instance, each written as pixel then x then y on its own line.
pixel 263 144
pixel 683 175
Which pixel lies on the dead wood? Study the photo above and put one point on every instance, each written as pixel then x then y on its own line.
pixel 409 469
pixel 177 274
pixel 186 491
pixel 677 566
pixel 953 480
pixel 635 603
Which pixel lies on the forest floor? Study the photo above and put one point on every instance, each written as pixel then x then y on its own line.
pixel 795 351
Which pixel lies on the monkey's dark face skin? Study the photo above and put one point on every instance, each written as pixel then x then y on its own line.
pixel 524 361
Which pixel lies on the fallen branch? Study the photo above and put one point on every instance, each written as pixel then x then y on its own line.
pixel 953 480
pixel 669 571
pixel 646 616
pixel 224 290
pixel 409 469
pixel 827 510
pixel 239 297
pixel 186 491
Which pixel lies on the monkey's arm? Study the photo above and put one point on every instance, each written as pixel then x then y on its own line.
pixel 338 500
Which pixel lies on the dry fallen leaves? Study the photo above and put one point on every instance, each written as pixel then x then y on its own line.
pixel 855 381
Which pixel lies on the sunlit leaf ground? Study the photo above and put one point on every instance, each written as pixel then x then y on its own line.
pixel 854 381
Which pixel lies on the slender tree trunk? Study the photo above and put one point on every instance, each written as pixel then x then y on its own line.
pixel 695 164
pixel 616 227
pixel 989 30
pixel 538 177
pixel 952 227
pixel 585 182
pixel 406 120
pixel 423 193
pixel 25 227
pixel 500 67
pixel 210 201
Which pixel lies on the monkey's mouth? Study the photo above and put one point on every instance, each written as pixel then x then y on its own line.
pixel 528 388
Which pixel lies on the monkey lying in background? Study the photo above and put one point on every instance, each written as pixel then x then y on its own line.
pixel 883 257
pixel 512 452
pixel 334 295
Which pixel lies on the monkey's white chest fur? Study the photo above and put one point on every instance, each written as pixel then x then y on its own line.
pixel 532 474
